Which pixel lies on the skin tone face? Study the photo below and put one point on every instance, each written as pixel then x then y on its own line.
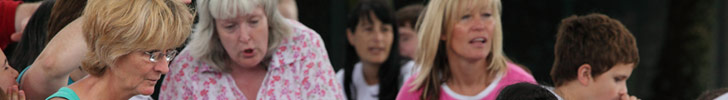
pixel 471 33
pixel 245 37
pixel 7 74
pixel 8 86
pixel 611 85
pixel 371 40
pixel 407 40
pixel 468 33
pixel 138 72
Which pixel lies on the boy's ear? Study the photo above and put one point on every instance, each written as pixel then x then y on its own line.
pixel 350 36
pixel 584 74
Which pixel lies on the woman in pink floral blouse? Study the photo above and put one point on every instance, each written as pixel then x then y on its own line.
pixel 244 49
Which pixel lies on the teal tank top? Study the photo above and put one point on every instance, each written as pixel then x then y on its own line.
pixel 20 76
pixel 66 93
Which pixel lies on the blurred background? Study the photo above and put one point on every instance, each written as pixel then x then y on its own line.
pixel 683 44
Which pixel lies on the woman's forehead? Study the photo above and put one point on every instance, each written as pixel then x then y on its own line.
pixel 234 8
pixel 241 16
pixel 470 5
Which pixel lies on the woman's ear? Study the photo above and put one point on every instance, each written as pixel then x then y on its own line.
pixel 350 36
pixel 584 74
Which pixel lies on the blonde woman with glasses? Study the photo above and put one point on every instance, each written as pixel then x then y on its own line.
pixel 130 44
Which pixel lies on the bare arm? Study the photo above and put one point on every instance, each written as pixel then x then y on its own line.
pixel 51 69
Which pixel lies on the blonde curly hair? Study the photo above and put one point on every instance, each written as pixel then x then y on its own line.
pixel 114 28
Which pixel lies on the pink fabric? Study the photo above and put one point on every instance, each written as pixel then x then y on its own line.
pixel 300 69
pixel 514 74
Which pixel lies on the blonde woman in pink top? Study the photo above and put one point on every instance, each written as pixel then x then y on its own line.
pixel 460 54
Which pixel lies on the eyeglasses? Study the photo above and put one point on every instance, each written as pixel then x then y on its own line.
pixel 154 55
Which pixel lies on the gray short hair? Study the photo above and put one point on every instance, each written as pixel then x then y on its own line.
pixel 204 42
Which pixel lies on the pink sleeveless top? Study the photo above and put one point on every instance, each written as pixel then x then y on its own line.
pixel 513 75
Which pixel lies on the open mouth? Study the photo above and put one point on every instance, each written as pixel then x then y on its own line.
pixel 478 40
pixel 376 50
pixel 248 51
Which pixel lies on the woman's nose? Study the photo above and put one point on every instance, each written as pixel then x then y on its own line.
pixel 15 73
pixel 378 36
pixel 244 35
pixel 162 67
pixel 478 24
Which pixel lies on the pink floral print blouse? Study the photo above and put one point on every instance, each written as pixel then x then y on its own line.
pixel 299 69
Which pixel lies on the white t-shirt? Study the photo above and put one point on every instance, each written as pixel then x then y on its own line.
pixel 407 70
pixel 551 89
pixel 479 96
pixel 722 97
pixel 362 90
pixel 141 97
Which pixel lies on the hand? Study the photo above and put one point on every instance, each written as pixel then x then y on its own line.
pixel 628 97
pixel 15 37
pixel 14 94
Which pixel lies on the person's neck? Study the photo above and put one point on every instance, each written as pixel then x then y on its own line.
pixel 468 76
pixel 248 79
pixel 247 71
pixel 100 88
pixel 371 72
pixel 568 91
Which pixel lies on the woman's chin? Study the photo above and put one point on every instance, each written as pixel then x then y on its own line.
pixel 476 56
pixel 147 90
pixel 249 63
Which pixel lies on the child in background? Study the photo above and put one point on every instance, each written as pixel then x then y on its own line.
pixel 406 20
pixel 594 57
